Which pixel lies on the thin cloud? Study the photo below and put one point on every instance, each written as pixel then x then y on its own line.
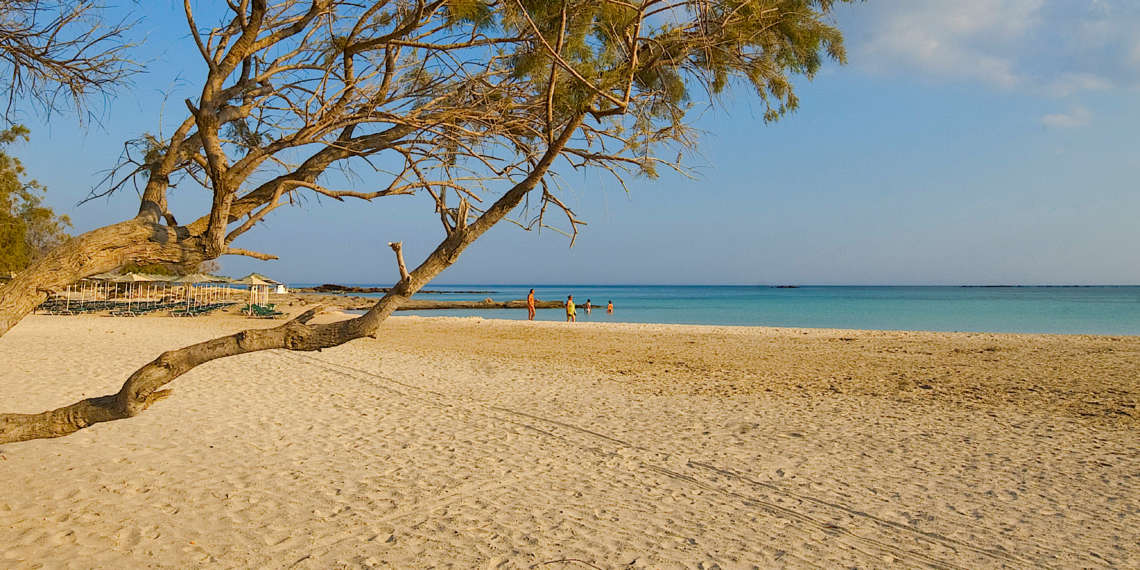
pixel 1068 83
pixel 1078 117
pixel 1057 48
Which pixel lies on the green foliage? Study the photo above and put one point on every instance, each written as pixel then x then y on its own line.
pixel 474 12
pixel 27 228
pixel 239 133
pixel 684 48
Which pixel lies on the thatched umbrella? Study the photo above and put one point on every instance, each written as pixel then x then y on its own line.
pixel 219 291
pixel 106 279
pixel 258 288
pixel 131 279
pixel 196 278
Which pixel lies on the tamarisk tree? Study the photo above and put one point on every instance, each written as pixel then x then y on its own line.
pixel 477 102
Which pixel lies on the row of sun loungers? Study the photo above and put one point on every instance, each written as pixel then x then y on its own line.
pixel 262 311
pixel 60 307
pixel 118 309
pixel 197 310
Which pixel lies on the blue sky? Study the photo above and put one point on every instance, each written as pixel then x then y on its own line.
pixel 966 142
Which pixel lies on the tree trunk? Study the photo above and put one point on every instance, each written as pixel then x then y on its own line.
pixel 143 387
pixel 97 251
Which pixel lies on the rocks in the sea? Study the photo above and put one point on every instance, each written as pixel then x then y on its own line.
pixel 356 303
pixel 334 288
pixel 488 303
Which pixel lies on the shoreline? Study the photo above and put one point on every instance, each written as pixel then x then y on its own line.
pixel 552 311
pixel 1106 314
pixel 443 315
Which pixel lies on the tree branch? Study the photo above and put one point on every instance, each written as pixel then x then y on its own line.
pixel 142 389
pixel 397 246
pixel 249 253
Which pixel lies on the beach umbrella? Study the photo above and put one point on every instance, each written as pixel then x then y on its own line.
pixel 190 281
pixel 219 290
pixel 263 283
pixel 132 279
pixel 106 278
pixel 256 285
pixel 253 279
pixel 266 280
pixel 217 281
pixel 197 278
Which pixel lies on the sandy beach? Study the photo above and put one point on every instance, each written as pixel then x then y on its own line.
pixel 474 443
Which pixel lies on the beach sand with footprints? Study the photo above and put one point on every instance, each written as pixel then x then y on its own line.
pixel 474 443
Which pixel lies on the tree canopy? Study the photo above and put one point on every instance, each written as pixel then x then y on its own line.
pixel 28 229
pixel 478 104
pixel 58 53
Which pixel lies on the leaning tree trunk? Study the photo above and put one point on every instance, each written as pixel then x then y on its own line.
pixel 144 387
pixel 98 251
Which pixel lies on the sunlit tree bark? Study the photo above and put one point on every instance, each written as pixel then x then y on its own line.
pixel 480 103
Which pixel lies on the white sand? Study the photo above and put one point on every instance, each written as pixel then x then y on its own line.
pixel 409 454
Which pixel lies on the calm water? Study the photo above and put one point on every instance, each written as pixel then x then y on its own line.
pixel 1063 310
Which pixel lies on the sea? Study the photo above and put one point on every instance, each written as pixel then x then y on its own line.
pixel 1102 310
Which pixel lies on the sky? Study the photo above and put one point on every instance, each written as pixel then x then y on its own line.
pixel 965 142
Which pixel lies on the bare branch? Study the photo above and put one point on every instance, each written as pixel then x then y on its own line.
pixel 397 246
pixel 248 253
pixel 439 96
pixel 54 50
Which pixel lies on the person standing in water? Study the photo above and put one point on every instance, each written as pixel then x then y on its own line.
pixel 530 306
pixel 588 306
pixel 610 307
pixel 571 317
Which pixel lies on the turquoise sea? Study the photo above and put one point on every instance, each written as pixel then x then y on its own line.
pixel 1108 310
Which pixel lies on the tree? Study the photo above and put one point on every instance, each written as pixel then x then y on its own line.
pixel 28 230
pixel 477 103
pixel 62 48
